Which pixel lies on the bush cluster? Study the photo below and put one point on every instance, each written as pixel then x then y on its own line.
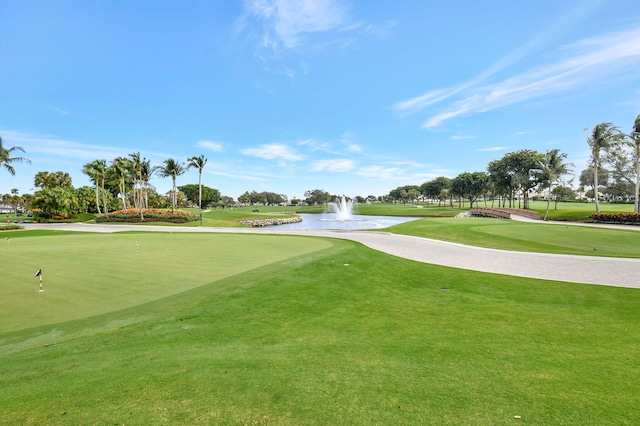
pixel 133 216
pixel 165 212
pixel 628 218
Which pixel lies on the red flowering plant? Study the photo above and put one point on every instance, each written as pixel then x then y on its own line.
pixel 626 218
pixel 151 215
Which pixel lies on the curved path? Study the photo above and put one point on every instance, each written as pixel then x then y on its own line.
pixel 579 269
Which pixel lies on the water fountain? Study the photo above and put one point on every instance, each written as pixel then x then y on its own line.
pixel 341 217
pixel 343 209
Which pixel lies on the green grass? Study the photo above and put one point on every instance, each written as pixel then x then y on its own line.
pixel 94 274
pixel 306 339
pixel 565 211
pixel 527 236
pixel 577 212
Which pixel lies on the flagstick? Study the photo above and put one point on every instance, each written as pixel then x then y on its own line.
pixel 39 274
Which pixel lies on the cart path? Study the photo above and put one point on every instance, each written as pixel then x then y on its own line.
pixel 616 272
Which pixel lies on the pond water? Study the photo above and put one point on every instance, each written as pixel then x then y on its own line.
pixel 331 222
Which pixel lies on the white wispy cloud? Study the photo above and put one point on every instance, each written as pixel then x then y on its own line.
pixel 581 64
pixel 53 146
pixel 316 145
pixel 58 110
pixel 273 151
pixel 287 22
pixel 494 148
pixel 337 147
pixel 340 165
pixel 211 145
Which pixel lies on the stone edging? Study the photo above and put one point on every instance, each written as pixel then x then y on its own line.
pixel 259 223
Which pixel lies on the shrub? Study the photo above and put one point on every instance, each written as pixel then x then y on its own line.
pixel 154 215
pixel 627 218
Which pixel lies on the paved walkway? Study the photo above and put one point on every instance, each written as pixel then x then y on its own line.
pixel 579 269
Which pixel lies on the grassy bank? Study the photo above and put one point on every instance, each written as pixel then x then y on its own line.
pixel 525 236
pixel 338 335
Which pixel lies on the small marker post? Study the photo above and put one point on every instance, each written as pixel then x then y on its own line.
pixel 39 274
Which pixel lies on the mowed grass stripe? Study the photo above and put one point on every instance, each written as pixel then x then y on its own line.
pixel 529 237
pixel 91 274
pixel 310 340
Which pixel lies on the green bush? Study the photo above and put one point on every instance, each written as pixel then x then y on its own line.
pixel 135 218
pixel 42 217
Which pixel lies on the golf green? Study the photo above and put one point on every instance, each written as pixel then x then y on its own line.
pixel 91 274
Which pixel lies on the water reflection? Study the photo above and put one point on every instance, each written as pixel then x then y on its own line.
pixel 330 221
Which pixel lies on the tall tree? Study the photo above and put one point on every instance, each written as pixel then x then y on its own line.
pixel 119 171
pixel 603 138
pixel 635 137
pixel 57 179
pixel 433 188
pixel 512 173
pixel 553 167
pixel 137 164
pixel 101 173
pixel 7 159
pixel 146 173
pixel 470 186
pixel 199 163
pixel 171 168
pixel 91 170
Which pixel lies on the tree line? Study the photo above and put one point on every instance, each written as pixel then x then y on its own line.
pixel 122 183
pixel 613 173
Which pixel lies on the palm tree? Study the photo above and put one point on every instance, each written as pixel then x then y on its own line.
pixel 101 172
pixel 553 167
pixel 43 180
pixel 91 170
pixel 601 139
pixel 199 163
pixel 119 170
pixel 635 136
pixel 6 158
pixel 136 165
pixel 145 174
pixel 173 168
pixel 62 179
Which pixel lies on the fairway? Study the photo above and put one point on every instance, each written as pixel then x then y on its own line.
pixel 255 329
pixel 91 274
pixel 538 237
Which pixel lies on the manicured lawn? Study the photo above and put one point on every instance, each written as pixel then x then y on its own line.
pixel 564 212
pixel 577 211
pixel 320 332
pixel 525 236
pixel 88 274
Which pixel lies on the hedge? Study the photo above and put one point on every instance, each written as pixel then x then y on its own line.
pixel 626 218
pixel 148 217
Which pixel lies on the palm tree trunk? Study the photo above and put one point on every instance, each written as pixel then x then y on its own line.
pixel 595 185
pixel 637 202
pixel 98 198
pixel 104 198
pixel 174 193
pixel 548 202
pixel 200 191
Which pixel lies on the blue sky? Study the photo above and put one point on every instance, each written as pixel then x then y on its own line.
pixel 355 97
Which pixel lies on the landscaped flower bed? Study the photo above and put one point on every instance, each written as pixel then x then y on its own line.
pixel 152 215
pixel 624 218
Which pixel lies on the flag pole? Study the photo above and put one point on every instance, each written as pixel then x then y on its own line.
pixel 39 274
